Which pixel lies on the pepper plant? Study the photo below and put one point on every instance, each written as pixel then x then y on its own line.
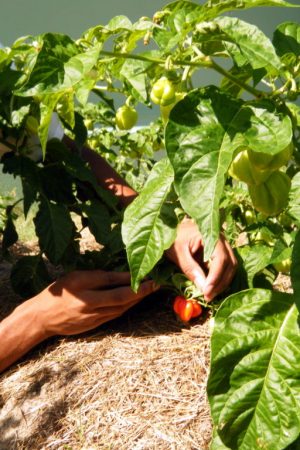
pixel 230 161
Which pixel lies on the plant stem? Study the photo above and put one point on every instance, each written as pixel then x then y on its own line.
pixel 246 87
pixel 205 62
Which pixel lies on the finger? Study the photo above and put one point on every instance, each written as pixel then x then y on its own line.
pixel 191 268
pixel 222 270
pixel 118 297
pixel 217 267
pixel 221 286
pixel 96 279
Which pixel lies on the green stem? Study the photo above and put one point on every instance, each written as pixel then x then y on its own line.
pixel 205 62
pixel 246 87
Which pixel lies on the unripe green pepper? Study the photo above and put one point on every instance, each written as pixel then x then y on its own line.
pixel 163 92
pixel 165 110
pixel 250 217
pixel 126 117
pixel 271 196
pixel 264 161
pixel 241 169
pixel 283 266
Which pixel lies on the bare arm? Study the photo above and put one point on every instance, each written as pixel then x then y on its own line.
pixel 78 302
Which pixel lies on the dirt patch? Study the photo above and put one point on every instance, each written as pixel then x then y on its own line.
pixel 137 383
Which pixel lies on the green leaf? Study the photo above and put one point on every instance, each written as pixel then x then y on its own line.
pixel 295 270
pixel 135 73
pixel 79 170
pixel 213 8
pixel 286 38
pixel 204 130
pixel 255 402
pixel 98 220
pixel 29 276
pixel 294 198
pixel 47 107
pixel 10 235
pixel 255 259
pixel 54 229
pixel 48 73
pixel 149 226
pixel 250 44
pixel 119 23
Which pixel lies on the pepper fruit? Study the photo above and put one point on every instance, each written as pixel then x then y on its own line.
pixel 264 161
pixel 271 196
pixel 186 309
pixel 126 117
pixel 241 169
pixel 250 217
pixel 163 92
pixel 283 266
pixel 165 110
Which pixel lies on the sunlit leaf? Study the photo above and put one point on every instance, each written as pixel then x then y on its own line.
pixel 255 402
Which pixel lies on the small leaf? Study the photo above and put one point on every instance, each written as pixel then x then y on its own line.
pixel 54 229
pixel 255 259
pixel 149 226
pixel 10 235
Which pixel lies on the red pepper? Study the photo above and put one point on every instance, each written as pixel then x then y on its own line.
pixel 186 309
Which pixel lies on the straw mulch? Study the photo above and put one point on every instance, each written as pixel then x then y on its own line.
pixel 137 383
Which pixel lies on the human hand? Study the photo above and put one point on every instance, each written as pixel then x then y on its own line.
pixel 187 253
pixel 83 300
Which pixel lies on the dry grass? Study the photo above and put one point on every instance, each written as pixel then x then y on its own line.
pixel 137 383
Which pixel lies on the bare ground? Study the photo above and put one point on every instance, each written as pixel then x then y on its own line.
pixel 137 383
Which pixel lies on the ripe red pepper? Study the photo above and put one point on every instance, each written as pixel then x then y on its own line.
pixel 186 309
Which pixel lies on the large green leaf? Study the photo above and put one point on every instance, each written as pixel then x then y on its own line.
pixel 213 8
pixel 54 229
pixel 149 226
pixel 247 44
pixel 203 131
pixel 294 198
pixel 48 73
pixel 255 402
pixel 295 270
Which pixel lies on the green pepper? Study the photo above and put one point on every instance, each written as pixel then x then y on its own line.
pixel 165 110
pixel 126 117
pixel 241 169
pixel 272 196
pixel 283 266
pixel 264 161
pixel 163 92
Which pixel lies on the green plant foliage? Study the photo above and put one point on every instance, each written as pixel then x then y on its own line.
pixel 255 401
pixel 150 223
pixel 180 165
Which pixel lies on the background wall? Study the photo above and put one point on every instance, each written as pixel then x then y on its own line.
pixel 73 17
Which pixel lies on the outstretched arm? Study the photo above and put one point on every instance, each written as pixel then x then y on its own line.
pixel 78 302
